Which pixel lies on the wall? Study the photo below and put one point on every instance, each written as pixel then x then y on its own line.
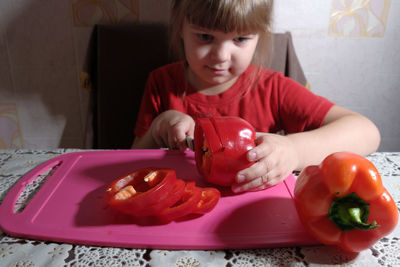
pixel 42 49
pixel 349 54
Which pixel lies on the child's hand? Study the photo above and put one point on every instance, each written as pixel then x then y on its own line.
pixel 275 158
pixel 169 129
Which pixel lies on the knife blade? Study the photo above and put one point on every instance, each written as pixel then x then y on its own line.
pixel 190 142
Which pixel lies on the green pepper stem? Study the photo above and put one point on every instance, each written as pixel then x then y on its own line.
pixel 351 212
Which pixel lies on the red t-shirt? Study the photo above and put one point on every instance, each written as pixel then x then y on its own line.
pixel 271 104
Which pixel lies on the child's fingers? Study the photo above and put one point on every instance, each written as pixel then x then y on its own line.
pixel 181 130
pixel 160 142
pixel 261 187
pixel 256 184
pixel 180 134
pixel 158 139
pixel 157 133
pixel 259 183
pixel 258 169
pixel 262 149
pixel 170 138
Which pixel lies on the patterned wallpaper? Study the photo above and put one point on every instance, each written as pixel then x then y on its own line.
pixel 359 18
pixel 90 12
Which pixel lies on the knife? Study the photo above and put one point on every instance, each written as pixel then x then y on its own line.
pixel 190 142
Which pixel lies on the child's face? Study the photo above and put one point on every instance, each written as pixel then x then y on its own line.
pixel 216 58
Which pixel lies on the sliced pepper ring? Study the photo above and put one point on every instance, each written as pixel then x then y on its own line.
pixel 209 199
pixel 186 205
pixel 173 196
pixel 134 193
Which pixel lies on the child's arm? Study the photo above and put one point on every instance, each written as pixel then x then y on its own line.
pixel 277 156
pixel 342 130
pixel 169 129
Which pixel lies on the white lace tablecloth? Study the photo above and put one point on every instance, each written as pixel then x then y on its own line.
pixel 22 252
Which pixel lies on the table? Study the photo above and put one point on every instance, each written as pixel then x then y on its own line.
pixel 22 252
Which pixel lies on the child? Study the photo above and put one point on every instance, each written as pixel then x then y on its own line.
pixel 220 42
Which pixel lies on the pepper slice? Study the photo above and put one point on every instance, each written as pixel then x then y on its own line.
pixel 186 205
pixel 343 202
pixel 142 192
pixel 173 196
pixel 209 199
pixel 221 145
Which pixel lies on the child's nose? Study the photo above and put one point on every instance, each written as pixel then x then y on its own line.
pixel 220 52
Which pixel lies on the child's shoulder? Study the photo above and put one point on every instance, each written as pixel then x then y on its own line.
pixel 267 78
pixel 265 73
pixel 171 68
pixel 171 75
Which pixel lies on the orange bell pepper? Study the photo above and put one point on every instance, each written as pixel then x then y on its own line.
pixel 343 202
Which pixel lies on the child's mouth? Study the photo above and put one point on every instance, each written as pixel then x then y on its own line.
pixel 217 71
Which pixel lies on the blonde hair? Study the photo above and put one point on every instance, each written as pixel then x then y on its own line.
pixel 227 16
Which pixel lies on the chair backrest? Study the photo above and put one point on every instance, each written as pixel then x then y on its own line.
pixel 120 57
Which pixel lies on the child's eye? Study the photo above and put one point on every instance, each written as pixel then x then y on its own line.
pixel 241 39
pixel 204 37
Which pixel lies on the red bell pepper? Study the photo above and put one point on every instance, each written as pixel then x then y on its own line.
pixel 185 205
pixel 221 144
pixel 343 202
pixel 173 197
pixel 209 198
pixel 157 193
pixel 144 192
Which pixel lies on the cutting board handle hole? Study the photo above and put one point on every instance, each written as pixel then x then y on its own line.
pixel 33 186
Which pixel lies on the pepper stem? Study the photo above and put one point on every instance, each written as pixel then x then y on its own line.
pixel 351 212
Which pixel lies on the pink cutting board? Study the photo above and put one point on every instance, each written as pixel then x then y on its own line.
pixel 71 207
